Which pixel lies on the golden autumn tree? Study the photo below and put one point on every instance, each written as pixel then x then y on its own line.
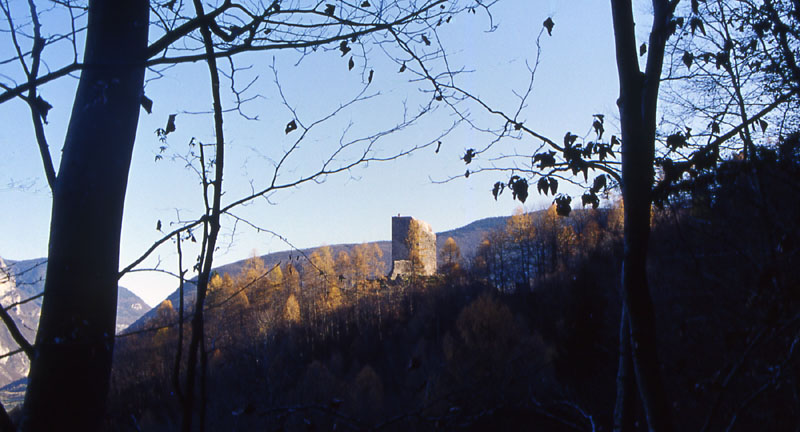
pixel 291 311
pixel 521 235
pixel 367 263
pixel 345 270
pixel 450 256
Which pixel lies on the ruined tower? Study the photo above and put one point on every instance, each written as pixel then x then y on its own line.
pixel 413 247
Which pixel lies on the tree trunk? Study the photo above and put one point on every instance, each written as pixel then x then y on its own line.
pixel 626 385
pixel 69 377
pixel 637 107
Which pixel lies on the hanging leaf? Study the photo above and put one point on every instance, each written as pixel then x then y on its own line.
pixel 569 139
pixel 553 186
pixel 676 141
pixel 542 186
pixel 426 40
pixel 158 225
pixel 723 59
pixel 350 64
pixel 147 104
pixel 329 9
pixel 614 140
pixel 599 183
pixel 598 128
pixel 545 159
pixel 292 125
pixel 498 189
pixel 344 48
pixel 688 58
pixel 696 23
pixel 469 155
pixel 438 146
pixel 715 127
pixel 563 207
pixel 763 125
pixel 42 107
pixel 549 24
pixel 369 79
pixel 642 49
pixel 519 188
pixel 590 198
pixel 365 4
pixel 466 174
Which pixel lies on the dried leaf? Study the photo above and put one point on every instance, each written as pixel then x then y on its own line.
pixel 549 24
pixel 688 58
pixel 292 125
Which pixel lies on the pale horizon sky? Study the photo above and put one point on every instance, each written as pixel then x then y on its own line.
pixel 576 79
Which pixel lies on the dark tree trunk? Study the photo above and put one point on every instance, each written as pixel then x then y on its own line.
pixel 637 107
pixel 626 384
pixel 69 377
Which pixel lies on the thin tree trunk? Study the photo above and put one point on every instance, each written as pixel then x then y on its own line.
pixel 637 106
pixel 69 377
pixel 626 384
pixel 197 342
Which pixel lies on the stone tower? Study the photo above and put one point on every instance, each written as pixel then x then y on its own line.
pixel 425 244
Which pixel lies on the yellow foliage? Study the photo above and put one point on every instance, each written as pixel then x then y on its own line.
pixel 291 312
pixel 520 227
pixel 366 261
pixel 451 253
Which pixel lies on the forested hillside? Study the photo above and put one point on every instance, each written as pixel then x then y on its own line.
pixel 521 335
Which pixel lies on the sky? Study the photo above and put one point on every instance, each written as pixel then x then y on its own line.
pixel 575 79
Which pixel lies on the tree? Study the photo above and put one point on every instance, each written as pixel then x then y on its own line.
pixel 74 344
pixel 367 263
pixel 450 256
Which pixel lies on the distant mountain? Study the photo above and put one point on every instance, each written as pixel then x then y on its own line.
pixel 22 280
pixel 467 237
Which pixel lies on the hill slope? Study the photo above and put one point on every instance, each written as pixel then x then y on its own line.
pixel 467 237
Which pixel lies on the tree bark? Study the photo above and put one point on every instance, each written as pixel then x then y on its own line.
pixel 637 107
pixel 70 372
pixel 626 385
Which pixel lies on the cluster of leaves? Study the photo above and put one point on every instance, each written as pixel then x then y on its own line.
pixel 573 158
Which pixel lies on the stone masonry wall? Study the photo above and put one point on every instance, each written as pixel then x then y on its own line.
pixel 401 264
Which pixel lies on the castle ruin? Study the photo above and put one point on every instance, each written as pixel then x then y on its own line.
pixel 413 247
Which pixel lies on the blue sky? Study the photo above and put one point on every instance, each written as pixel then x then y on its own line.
pixel 576 78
